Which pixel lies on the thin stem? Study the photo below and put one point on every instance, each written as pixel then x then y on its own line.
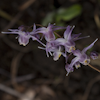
pixel 39 25
pixel 94 68
pixel 57 34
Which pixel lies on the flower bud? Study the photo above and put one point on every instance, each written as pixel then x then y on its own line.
pixel 94 55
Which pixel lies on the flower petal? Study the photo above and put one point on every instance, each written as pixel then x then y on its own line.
pixel 90 46
pixel 67 32
pixel 69 67
pixel 69 35
pixel 77 53
pixel 23 40
pixel 60 41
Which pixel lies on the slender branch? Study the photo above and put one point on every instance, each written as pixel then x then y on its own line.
pixel 57 34
pixel 40 25
pixel 94 68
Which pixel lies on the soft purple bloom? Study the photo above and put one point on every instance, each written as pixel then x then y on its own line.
pixel 53 50
pixel 69 40
pixel 48 32
pixel 23 37
pixel 49 47
pixel 81 56
pixel 94 55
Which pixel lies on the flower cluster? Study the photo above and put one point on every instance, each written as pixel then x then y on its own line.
pixel 56 46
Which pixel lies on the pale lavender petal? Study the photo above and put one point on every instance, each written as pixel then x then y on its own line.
pixel 57 53
pixel 56 56
pixel 41 48
pixel 10 32
pixel 50 36
pixel 60 41
pixel 41 42
pixel 69 68
pixel 64 55
pixel 47 53
pixel 67 31
pixel 75 36
pixel 13 30
pixel 69 35
pixel 34 27
pixel 76 52
pixel 90 46
pixel 69 46
pixel 58 28
pixel 84 59
pixel 50 53
pixel 23 40
pixel 74 61
pixel 47 32
pixel 81 38
pixel 22 28
pixel 41 30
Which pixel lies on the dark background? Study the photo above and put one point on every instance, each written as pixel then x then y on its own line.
pixel 27 70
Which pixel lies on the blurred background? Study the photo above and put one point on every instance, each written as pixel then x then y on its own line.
pixel 26 73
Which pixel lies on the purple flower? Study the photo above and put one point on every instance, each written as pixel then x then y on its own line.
pixel 81 57
pixel 53 50
pixel 23 37
pixel 94 55
pixel 48 32
pixel 68 40
pixel 49 47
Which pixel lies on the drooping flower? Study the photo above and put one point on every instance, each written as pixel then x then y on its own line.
pixel 48 32
pixel 23 37
pixel 81 57
pixel 57 52
pixel 69 40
